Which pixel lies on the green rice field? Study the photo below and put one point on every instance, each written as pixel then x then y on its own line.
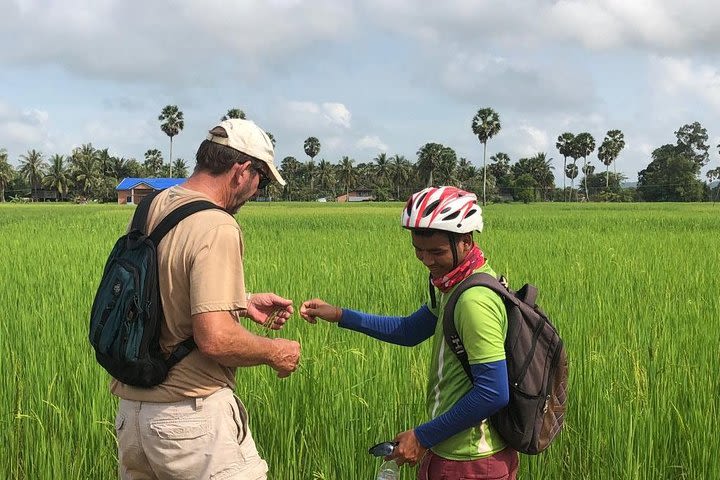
pixel 634 290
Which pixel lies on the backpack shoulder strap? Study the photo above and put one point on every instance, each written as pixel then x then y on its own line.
pixel 180 352
pixel 452 337
pixel 139 221
pixel 176 216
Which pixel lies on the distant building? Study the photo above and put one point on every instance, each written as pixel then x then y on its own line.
pixel 357 195
pixel 132 190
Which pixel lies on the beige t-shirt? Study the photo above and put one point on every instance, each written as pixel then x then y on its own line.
pixel 201 270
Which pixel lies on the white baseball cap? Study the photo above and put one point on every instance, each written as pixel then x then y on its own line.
pixel 246 137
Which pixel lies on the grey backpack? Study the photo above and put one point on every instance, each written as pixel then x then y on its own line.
pixel 536 363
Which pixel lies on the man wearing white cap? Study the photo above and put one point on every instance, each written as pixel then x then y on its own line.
pixel 192 425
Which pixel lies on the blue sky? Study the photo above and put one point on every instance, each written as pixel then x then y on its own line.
pixel 363 76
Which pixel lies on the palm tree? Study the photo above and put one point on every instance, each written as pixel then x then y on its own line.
pixel 173 123
pixel 485 124
pixel 105 160
pixel 310 173
pixel 86 169
pixel 325 176
pixel 6 173
pixel 542 172
pixel 32 168
pixel 465 171
pixel 311 147
pixel 571 171
pixel 347 174
pixel 712 175
pixel 564 145
pixel 180 168
pixel 608 152
pixel 234 113
pixel 290 168
pixel 58 176
pixel 500 169
pixel 429 157
pixel 382 168
pixel 153 162
pixel 584 145
pixel 119 168
pixel 400 170
pixel 271 137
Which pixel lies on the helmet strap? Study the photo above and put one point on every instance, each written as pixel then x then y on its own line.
pixel 453 248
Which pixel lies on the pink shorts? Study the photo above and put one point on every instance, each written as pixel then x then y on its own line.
pixel 501 466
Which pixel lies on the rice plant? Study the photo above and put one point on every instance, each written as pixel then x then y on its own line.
pixel 632 288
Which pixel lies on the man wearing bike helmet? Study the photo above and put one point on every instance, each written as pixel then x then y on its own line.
pixel 457 441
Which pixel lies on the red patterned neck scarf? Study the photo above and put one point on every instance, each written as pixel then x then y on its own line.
pixel 473 260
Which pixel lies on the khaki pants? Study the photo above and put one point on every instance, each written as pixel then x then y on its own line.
pixel 200 438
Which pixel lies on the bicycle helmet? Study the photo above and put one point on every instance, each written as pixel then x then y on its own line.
pixel 443 208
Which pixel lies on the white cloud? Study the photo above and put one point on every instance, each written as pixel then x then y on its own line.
pixel 511 83
pixel 654 25
pixel 683 78
pixel 21 129
pixel 111 39
pixel 336 114
pixel 311 115
pixel 371 142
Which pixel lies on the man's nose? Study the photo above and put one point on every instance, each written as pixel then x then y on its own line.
pixel 427 260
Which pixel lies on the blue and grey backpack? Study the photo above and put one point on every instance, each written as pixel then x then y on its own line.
pixel 127 311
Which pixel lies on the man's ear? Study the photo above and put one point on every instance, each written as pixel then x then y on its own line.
pixel 466 240
pixel 237 171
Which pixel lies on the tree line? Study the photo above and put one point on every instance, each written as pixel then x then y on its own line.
pixel 673 174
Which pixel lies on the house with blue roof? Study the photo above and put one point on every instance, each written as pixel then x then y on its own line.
pixel 132 190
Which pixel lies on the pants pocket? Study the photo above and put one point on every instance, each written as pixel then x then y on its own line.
pixel 180 428
pixel 240 416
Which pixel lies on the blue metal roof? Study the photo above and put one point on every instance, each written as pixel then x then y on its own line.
pixel 156 183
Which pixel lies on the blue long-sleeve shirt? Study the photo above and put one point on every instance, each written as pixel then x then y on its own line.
pixel 490 390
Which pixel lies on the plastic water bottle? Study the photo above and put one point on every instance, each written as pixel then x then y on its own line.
pixel 389 471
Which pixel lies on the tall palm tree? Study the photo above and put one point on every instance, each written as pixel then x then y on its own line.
pixel 7 173
pixel 311 147
pixel 400 170
pixel 310 173
pixel 58 176
pixel 347 174
pixel 584 145
pixel 173 123
pixel 564 145
pixel 571 171
pixel 32 168
pixel 612 145
pixel 234 113
pixel 485 124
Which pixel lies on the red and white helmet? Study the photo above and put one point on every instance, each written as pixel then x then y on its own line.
pixel 443 208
